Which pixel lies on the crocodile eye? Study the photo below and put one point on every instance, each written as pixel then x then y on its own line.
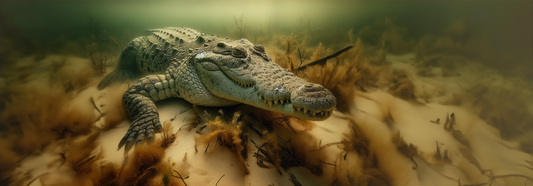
pixel 237 53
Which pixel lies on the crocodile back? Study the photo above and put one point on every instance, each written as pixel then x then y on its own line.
pixel 154 53
pixel 163 46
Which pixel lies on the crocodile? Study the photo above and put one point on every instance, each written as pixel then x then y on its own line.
pixel 207 70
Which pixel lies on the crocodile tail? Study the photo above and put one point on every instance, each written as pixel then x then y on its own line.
pixel 117 76
pixel 126 68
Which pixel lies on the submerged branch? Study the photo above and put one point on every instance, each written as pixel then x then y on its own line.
pixel 180 177
pixel 323 60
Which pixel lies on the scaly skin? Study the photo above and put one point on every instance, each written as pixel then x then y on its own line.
pixel 209 71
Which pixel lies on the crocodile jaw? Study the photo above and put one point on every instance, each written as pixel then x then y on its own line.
pixel 221 85
pixel 241 72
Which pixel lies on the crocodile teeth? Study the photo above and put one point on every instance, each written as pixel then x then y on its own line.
pixel 275 102
pixel 299 109
pixel 270 103
pixel 313 113
pixel 281 101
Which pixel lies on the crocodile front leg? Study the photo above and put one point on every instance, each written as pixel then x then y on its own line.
pixel 139 104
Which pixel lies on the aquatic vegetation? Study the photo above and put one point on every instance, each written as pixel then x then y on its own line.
pixel 60 108
pixel 99 61
pixel 145 166
pixel 357 165
pixel 230 134
pixel 37 109
pixel 294 150
pixel 386 37
pixel 80 156
pixel 401 86
pixel 502 107
pixel 449 55
pixel 286 147
pixel 241 29
pixel 462 141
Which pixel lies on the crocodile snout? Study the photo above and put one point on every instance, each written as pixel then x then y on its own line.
pixel 310 88
pixel 313 97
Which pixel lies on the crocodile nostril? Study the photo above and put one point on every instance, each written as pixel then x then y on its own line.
pixel 312 88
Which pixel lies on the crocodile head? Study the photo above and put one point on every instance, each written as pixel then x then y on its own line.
pixel 244 73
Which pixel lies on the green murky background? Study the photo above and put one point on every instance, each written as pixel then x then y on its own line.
pixel 498 34
pixel 506 25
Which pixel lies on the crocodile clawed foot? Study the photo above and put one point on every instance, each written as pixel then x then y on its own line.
pixel 142 127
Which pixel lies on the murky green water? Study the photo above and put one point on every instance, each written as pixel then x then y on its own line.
pixel 506 25
pixel 472 58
